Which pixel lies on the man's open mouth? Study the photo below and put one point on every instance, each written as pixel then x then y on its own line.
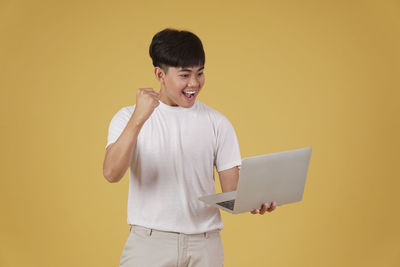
pixel 189 93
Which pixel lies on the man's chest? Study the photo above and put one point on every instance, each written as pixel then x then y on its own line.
pixel 184 137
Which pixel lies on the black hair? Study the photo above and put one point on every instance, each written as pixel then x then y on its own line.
pixel 171 47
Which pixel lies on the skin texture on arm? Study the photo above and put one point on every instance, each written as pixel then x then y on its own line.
pixel 229 179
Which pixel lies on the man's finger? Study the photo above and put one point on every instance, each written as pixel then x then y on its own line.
pixel 153 94
pixel 272 207
pixel 264 208
pixel 147 89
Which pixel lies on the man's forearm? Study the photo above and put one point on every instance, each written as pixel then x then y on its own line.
pixel 119 155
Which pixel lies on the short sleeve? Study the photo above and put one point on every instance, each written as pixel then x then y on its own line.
pixel 117 125
pixel 227 150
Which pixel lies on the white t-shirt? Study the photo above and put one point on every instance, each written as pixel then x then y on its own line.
pixel 173 165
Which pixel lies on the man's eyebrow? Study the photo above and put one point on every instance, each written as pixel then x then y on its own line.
pixel 191 70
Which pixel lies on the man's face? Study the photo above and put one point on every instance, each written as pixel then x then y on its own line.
pixel 181 85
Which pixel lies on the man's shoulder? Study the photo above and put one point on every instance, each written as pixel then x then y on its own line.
pixel 122 115
pixel 209 109
pixel 125 110
pixel 129 108
pixel 212 112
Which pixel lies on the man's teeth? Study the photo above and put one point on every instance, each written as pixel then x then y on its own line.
pixel 190 92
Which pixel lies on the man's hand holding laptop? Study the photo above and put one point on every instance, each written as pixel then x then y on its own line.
pixel 265 208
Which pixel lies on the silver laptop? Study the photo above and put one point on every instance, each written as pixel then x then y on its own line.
pixel 278 177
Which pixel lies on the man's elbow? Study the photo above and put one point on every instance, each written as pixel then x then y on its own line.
pixel 111 179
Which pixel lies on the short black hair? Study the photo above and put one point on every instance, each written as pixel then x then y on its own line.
pixel 175 48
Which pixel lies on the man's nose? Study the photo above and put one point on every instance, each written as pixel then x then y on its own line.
pixel 194 82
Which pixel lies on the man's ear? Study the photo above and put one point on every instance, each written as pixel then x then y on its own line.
pixel 159 73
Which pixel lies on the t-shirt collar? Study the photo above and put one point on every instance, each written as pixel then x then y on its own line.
pixel 175 108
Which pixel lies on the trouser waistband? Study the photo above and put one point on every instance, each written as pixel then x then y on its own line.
pixel 150 231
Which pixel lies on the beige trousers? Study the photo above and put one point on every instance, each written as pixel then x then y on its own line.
pixel 152 248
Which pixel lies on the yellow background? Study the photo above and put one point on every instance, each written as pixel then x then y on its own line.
pixel 288 74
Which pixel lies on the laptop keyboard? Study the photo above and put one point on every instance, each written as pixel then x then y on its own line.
pixel 227 204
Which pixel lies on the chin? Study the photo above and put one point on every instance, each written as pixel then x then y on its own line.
pixel 187 105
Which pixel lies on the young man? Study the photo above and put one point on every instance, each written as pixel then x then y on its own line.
pixel 171 142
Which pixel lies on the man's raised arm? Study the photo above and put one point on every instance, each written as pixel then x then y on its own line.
pixel 119 154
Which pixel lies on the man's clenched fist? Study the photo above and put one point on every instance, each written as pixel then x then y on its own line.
pixel 146 101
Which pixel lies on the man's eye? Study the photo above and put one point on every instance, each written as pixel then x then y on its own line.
pixel 201 73
pixel 184 75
